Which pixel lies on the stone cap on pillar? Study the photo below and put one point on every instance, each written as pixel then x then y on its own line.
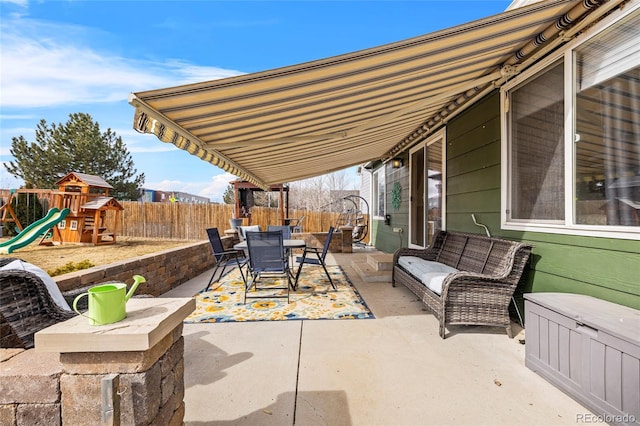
pixel 148 321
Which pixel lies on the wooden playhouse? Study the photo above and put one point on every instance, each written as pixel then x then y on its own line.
pixel 87 196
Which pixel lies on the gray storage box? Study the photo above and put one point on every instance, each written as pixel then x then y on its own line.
pixel 590 349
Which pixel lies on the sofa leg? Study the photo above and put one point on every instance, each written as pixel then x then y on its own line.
pixel 509 331
pixel 442 330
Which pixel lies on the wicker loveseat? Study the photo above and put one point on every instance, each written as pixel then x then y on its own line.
pixel 464 278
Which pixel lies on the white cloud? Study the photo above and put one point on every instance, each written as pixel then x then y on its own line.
pixel 45 64
pixel 143 143
pixel 215 189
pixel 47 67
pixel 17 117
pixel 22 3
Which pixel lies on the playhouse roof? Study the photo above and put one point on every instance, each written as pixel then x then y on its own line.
pixel 90 180
pixel 105 203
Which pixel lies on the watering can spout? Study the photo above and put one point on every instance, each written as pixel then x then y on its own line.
pixel 137 279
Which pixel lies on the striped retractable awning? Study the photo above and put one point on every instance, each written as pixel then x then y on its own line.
pixel 317 117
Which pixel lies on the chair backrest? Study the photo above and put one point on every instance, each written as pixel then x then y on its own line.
pixel 325 249
pixel 242 231
pixel 286 230
pixel 266 251
pixel 298 226
pixel 216 243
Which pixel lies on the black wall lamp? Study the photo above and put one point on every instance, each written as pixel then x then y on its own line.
pixel 396 162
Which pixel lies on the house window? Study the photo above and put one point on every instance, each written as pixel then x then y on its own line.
pixel 607 123
pixel 537 149
pixel 572 159
pixel 378 193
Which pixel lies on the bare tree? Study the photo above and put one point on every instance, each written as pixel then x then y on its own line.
pixel 319 193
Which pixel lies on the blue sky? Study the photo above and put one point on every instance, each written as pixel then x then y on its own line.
pixel 63 57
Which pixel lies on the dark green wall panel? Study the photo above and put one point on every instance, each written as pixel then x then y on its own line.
pixel 482 115
pixel 538 281
pixel 474 202
pixel 478 180
pixel 462 222
pixel 585 264
pixel 478 159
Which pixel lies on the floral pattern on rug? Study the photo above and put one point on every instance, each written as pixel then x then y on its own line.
pixel 313 299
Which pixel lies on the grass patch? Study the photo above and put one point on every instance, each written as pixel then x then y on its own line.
pixel 70 267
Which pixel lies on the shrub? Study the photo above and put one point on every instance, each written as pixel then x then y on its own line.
pixel 70 267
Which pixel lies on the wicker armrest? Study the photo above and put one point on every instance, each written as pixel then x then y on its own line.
pixel 463 281
pixel 427 254
pixel 27 306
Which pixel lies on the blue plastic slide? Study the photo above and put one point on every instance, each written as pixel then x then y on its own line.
pixel 35 230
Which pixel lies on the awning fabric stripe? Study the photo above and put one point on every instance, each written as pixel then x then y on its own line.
pixel 305 120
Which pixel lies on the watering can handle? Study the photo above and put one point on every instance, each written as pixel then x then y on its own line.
pixel 75 305
pixel 137 280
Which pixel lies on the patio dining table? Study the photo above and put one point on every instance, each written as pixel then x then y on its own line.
pixel 288 244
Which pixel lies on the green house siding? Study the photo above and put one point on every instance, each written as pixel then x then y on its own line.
pixel 382 235
pixel 473 168
pixel 606 268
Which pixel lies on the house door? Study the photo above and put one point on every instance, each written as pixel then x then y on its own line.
pixel 426 209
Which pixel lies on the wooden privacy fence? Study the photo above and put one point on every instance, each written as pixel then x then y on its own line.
pixel 183 221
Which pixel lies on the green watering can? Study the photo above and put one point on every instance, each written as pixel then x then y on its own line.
pixel 107 302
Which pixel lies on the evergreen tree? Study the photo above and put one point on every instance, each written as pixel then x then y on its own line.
pixel 76 146
pixel 229 197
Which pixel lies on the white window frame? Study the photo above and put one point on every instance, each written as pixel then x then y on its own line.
pixel 435 137
pixel 568 226
pixel 377 177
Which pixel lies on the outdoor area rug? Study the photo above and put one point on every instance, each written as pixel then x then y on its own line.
pixel 314 299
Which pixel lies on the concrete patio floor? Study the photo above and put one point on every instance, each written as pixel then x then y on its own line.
pixel 392 370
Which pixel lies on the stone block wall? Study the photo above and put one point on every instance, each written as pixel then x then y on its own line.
pixel 341 240
pixel 163 270
pixel 29 387
pixel 53 389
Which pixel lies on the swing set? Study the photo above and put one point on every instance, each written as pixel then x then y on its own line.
pixel 33 199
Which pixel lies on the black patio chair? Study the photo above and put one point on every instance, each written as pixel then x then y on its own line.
pixel 224 257
pixel 286 235
pixel 319 259
pixel 286 230
pixel 267 259
pixel 297 225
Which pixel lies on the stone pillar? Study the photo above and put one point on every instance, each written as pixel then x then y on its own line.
pixel 145 351
pixel 151 384
pixel 347 238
